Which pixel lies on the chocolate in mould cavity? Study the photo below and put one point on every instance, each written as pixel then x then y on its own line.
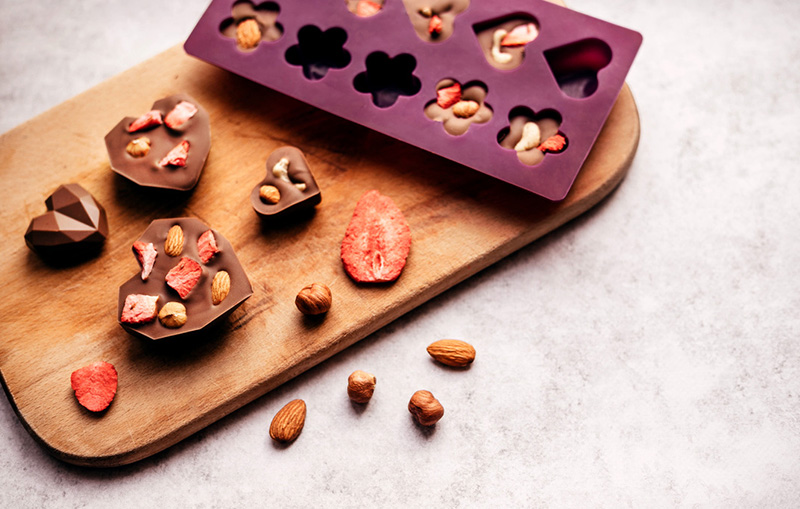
pixel 75 225
pixel 168 153
pixel 177 279
pixel 547 124
pixel 288 187
pixel 251 24
pixel 433 19
pixel 467 107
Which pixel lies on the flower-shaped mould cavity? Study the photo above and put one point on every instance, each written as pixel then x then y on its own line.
pixel 459 124
pixel 548 122
pixel 364 8
pixel 200 309
pixel 74 224
pixel 434 20
pixel 317 51
pixel 147 170
pixel 265 15
pixel 575 66
pixel 491 33
pixel 301 192
pixel 387 78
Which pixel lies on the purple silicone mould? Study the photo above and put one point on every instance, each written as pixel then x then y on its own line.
pixel 533 84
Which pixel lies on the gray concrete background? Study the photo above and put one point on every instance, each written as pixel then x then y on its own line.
pixel 646 355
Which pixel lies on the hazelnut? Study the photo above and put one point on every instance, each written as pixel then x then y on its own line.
pixel 314 299
pixel 270 194
pixel 360 386
pixel 425 408
pixel 139 147
pixel 248 34
pixel 172 315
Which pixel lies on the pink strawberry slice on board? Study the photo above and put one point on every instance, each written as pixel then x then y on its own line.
pixel 377 241
pixel 95 385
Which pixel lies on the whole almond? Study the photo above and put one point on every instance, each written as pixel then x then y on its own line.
pixel 173 246
pixel 220 286
pixel 360 386
pixel 425 408
pixel 452 352
pixel 465 109
pixel 288 422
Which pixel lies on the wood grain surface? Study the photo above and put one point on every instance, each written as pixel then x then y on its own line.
pixel 58 319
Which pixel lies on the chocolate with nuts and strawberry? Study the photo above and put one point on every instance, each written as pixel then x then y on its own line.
pixel 190 278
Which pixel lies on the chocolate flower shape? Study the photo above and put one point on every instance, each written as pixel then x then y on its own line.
pixel 458 108
pixel 317 51
pixel 387 78
pixel 533 135
pixel 250 24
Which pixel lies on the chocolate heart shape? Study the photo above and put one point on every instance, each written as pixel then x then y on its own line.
pixel 150 169
pixel 75 224
pixel 575 66
pixel 299 192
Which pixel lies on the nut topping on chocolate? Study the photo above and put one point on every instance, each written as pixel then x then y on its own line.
pixel 172 315
pixel 138 147
pixel 270 194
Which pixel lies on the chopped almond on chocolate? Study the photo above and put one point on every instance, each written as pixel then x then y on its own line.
pixel 149 119
pixel 183 277
pixel 207 246
pixel 177 156
pixel 182 112
pixel 146 254
pixel 139 309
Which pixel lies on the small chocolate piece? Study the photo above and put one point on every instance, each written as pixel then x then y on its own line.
pixel 75 224
pixel 153 168
pixel 201 308
pixel 288 172
pixel 433 19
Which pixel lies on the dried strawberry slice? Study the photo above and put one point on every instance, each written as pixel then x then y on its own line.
pixel 177 156
pixel 520 35
pixel 366 8
pixel 435 25
pixel 207 246
pixel 183 277
pixel 448 96
pixel 95 385
pixel 139 309
pixel 149 119
pixel 146 254
pixel 182 112
pixel 377 240
pixel 554 144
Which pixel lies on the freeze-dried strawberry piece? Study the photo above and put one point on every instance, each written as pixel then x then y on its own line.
pixel 366 8
pixel 139 308
pixel 207 246
pixel 555 143
pixel 149 119
pixel 177 156
pixel 146 254
pixel 182 112
pixel 448 96
pixel 95 385
pixel 520 35
pixel 377 240
pixel 184 276
pixel 435 26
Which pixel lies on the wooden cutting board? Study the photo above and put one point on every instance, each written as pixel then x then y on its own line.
pixel 56 320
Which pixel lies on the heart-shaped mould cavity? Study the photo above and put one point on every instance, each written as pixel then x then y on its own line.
pixel 290 186
pixel 152 156
pixel 317 51
pixel 541 138
pixel 503 40
pixel 250 24
pixel 434 20
pixel 387 78
pixel 75 224
pixel 364 8
pixel 576 65
pixel 201 263
pixel 458 107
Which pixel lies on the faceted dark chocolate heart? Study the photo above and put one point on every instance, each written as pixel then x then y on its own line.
pixel 75 224
pixel 290 182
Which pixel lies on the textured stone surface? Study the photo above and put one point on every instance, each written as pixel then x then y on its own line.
pixel 646 355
